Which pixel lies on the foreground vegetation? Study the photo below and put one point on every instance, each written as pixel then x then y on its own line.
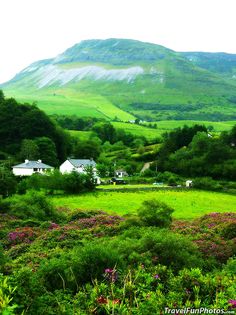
pixel 91 262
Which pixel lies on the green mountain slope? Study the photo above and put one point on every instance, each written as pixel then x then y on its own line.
pixel 124 79
pixel 221 63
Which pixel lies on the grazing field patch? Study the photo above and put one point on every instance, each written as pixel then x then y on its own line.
pixel 169 125
pixel 188 204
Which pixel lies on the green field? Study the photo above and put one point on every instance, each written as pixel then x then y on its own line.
pixel 187 204
pixel 70 102
pixel 162 127
pixel 81 135
pixel 168 125
pixel 139 130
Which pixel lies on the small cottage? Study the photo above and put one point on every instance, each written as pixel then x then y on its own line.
pixel 79 166
pixel 189 183
pixel 121 173
pixel 30 167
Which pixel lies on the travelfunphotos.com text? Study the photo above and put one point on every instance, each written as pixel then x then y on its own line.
pixel 201 310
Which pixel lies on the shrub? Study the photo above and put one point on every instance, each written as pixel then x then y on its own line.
pixel 214 235
pixel 83 214
pixel 230 267
pixel 2 258
pixel 22 235
pixel 7 182
pixel 79 266
pixel 155 213
pixel 75 183
pixel 207 183
pixel 32 205
pixel 152 245
pixel 71 183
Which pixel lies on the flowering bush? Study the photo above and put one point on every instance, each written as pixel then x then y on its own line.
pixel 99 220
pixel 92 264
pixel 20 235
pixel 214 234
pixel 150 290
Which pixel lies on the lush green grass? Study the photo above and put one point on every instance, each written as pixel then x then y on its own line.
pixel 139 130
pixel 162 127
pixel 128 186
pixel 187 204
pixel 70 102
pixel 81 135
pixel 168 125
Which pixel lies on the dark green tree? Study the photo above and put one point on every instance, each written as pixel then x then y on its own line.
pixel 87 149
pixel 105 131
pixel 1 96
pixel 29 150
pixel 47 150
pixel 7 182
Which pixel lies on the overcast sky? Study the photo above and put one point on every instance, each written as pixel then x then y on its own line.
pixel 31 30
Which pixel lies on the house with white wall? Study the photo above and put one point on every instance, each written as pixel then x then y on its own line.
pixel 29 168
pixel 121 173
pixel 79 166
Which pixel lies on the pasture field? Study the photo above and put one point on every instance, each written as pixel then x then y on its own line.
pixel 139 130
pixel 81 135
pixel 162 127
pixel 188 204
pixel 168 125
pixel 70 102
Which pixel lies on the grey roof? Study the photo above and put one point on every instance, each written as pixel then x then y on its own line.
pixel 121 170
pixel 84 162
pixel 33 164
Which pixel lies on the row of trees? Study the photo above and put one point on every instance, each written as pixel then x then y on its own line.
pixel 76 123
pixel 52 182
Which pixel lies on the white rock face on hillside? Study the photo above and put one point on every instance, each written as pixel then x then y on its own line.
pixel 51 74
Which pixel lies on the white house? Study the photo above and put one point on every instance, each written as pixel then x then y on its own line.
pixel 79 166
pixel 189 183
pixel 30 167
pixel 121 173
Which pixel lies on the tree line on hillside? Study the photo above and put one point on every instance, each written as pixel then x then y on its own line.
pixel 101 127
pixel 192 151
pixel 74 122
pixel 21 122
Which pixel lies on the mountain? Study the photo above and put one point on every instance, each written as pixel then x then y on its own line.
pixel 123 79
pixel 221 63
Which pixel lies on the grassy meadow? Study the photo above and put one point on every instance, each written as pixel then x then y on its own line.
pixel 162 127
pixel 70 102
pixel 187 204
pixel 168 125
pixel 81 135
